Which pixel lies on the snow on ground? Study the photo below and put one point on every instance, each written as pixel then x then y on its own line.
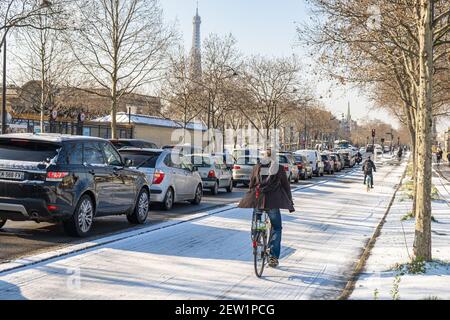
pixel 394 246
pixel 211 257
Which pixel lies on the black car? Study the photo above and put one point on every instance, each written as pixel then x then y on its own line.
pixel 133 143
pixel 68 179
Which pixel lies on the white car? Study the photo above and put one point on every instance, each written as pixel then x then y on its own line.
pixel 173 178
pixel 315 160
pixel 214 172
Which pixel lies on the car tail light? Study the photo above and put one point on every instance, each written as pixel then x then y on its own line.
pixel 56 176
pixel 158 177
pixel 211 174
pixel 236 167
pixel 52 208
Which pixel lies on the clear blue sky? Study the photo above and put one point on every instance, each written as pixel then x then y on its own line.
pixel 260 26
pixel 266 27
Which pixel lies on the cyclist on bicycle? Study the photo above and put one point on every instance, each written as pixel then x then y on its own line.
pixel 368 168
pixel 269 191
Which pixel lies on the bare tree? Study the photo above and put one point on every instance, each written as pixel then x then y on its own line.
pixel 121 46
pixel 181 94
pixel 44 55
pixel 271 84
pixel 221 62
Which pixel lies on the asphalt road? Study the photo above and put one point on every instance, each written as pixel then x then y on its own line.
pixel 19 239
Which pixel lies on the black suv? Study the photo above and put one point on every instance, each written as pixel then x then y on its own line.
pixel 72 179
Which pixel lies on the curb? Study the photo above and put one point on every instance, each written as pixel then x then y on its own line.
pixel 360 264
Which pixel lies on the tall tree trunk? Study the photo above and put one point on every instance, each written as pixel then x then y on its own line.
pixel 114 112
pixel 414 170
pixel 422 241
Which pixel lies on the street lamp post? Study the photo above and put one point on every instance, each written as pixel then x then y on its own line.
pixel 4 86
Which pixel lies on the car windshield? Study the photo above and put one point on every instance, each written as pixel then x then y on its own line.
pixel 201 162
pixel 27 150
pixel 298 159
pixel 283 159
pixel 141 159
pixel 121 144
pixel 247 160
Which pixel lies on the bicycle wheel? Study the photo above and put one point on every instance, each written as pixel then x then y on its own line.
pixel 259 252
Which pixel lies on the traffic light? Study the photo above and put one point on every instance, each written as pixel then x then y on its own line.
pixel 373 133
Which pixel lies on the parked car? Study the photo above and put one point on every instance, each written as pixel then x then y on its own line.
pixel 132 143
pixel 315 160
pixel 349 160
pixel 328 163
pixel 337 162
pixel 173 178
pixel 243 168
pixel 378 151
pixel 68 179
pixel 287 161
pixel 214 173
pixel 304 167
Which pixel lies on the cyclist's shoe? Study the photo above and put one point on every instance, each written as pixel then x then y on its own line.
pixel 273 262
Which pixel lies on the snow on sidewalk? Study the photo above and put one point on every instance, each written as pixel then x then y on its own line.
pixel 394 246
pixel 211 257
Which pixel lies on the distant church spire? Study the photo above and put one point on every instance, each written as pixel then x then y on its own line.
pixel 196 55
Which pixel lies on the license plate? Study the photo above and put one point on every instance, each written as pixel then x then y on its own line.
pixel 12 175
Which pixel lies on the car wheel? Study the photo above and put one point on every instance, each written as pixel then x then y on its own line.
pixel 167 203
pixel 81 221
pixel 215 189
pixel 230 187
pixel 2 223
pixel 140 212
pixel 235 184
pixel 198 195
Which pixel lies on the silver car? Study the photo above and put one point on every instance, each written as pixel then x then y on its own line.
pixel 214 173
pixel 243 168
pixel 173 178
pixel 288 162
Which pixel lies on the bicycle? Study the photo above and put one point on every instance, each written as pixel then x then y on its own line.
pixel 261 237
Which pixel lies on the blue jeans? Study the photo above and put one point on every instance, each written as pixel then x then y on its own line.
pixel 371 178
pixel 275 221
